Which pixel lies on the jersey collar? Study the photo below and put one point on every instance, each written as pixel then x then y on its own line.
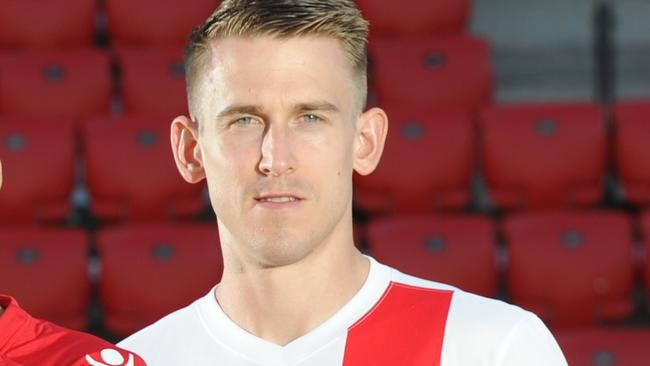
pixel 226 332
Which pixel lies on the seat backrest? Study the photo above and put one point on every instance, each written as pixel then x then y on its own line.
pixel 153 80
pixel 35 24
pixel 571 268
pixel 69 85
pixel 456 250
pixel 131 173
pixel 151 270
pixel 428 163
pixel 632 150
pixel 46 270
pixel 420 18
pixel 589 347
pixel 38 160
pixel 544 155
pixel 441 73
pixel 149 22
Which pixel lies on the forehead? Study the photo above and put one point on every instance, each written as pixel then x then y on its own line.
pixel 269 68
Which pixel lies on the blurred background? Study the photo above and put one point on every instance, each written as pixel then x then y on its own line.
pixel 517 164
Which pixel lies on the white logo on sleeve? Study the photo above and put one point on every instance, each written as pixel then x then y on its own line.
pixel 110 357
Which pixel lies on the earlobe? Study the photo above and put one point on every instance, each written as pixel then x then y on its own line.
pixel 372 128
pixel 186 149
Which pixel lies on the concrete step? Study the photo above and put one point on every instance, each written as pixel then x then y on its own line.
pixel 542 50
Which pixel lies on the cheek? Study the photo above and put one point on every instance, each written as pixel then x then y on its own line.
pixel 229 168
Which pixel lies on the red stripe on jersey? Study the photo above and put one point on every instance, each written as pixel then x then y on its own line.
pixel 405 327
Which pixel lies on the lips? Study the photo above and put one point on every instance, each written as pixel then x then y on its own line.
pixel 278 198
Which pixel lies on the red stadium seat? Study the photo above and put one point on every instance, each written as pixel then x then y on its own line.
pixel 147 22
pixel 153 81
pixel 571 268
pixel 151 270
pixel 427 163
pixel 606 347
pixel 392 18
pixel 131 173
pixel 632 149
pixel 544 155
pixel 38 160
pixel 60 85
pixel 440 73
pixel 47 24
pixel 455 250
pixel 644 225
pixel 46 270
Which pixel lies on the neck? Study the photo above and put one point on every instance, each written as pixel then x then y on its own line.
pixel 281 304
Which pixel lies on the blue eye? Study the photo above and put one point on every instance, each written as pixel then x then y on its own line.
pixel 311 118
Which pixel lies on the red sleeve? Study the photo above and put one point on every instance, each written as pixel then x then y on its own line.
pixel 26 341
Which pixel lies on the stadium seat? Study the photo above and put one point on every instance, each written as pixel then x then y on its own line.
pixel 31 24
pixel 455 250
pixel 632 150
pixel 131 174
pixel 605 347
pixel 544 155
pixel 38 159
pixel 153 81
pixel 427 164
pixel 439 73
pixel 644 226
pixel 150 270
pixel 46 270
pixel 67 85
pixel 148 22
pixel 421 18
pixel 571 268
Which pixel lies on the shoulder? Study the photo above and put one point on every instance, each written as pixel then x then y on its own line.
pixel 503 333
pixel 38 342
pixel 466 303
pixel 175 331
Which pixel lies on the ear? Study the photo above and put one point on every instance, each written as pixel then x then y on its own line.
pixel 372 127
pixel 187 151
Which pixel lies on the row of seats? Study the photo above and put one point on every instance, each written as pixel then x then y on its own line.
pixel 129 169
pixel 445 73
pixel 34 24
pixel 571 268
pixel 531 156
pixel 146 271
pixel 74 85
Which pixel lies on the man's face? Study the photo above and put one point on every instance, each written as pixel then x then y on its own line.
pixel 277 124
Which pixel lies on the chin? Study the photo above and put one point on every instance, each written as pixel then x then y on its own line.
pixel 282 251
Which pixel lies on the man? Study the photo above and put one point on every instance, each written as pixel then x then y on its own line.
pixel 26 341
pixel 276 91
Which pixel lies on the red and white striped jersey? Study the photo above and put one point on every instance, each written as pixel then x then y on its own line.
pixel 27 341
pixel 394 319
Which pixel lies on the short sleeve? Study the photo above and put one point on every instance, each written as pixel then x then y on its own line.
pixel 530 343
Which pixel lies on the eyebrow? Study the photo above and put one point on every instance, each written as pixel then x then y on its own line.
pixel 319 106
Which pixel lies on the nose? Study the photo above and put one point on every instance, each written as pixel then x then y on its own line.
pixel 277 154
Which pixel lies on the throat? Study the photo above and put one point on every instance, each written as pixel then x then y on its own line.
pixel 281 305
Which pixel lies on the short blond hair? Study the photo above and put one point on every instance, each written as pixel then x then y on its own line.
pixel 339 19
